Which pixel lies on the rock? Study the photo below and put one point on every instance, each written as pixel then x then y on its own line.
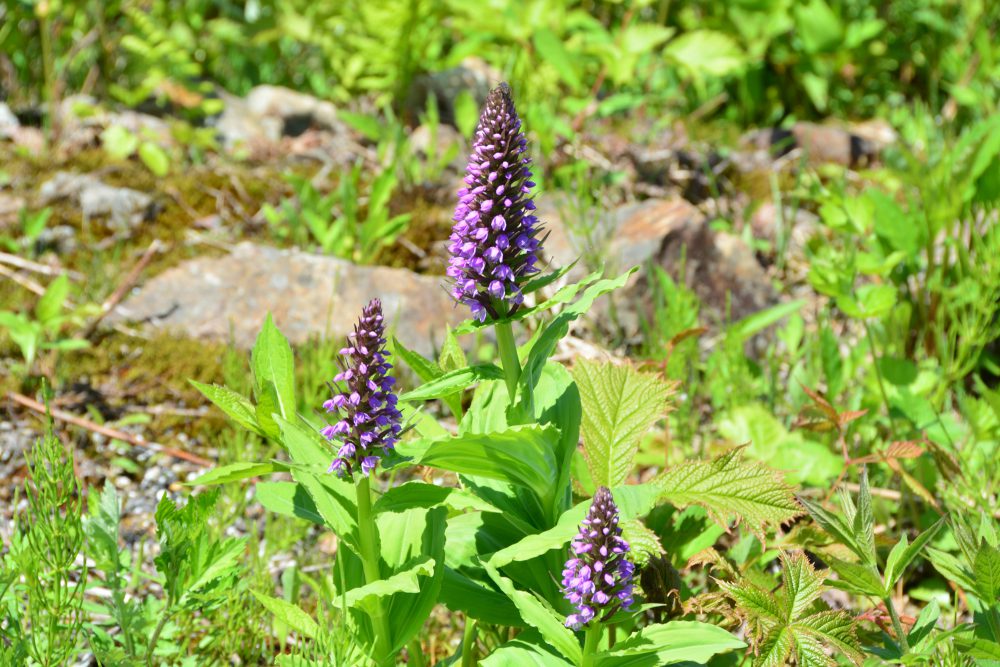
pixel 296 111
pixel 10 208
pixel 8 122
pixel 79 120
pixel 627 236
pixel 123 206
pixel 309 295
pixel 240 127
pixel 472 75
pixel 60 239
pixel 877 132
pixel 720 268
pixel 822 144
pixel 31 139
pixel 799 225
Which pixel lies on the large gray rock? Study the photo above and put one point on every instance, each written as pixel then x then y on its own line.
pixel 124 207
pixel 308 295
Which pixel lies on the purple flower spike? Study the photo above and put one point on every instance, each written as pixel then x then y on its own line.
pixel 367 419
pixel 486 268
pixel 597 580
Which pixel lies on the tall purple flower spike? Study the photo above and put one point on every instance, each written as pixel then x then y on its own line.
pixel 369 423
pixel 493 243
pixel 598 578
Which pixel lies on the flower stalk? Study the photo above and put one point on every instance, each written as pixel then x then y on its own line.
pixel 369 545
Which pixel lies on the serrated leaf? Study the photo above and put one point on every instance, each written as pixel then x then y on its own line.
pixel 289 614
pixel 855 578
pixel 803 584
pixel 643 542
pixel 864 522
pixel 619 405
pixel 832 523
pixel 272 363
pixel 986 570
pixel 238 408
pixel 836 628
pixel 726 485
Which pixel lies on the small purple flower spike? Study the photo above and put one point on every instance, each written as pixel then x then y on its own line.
pixel 369 423
pixel 598 578
pixel 494 242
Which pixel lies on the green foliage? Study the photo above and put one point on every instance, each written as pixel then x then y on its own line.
pixel 42 328
pixel 619 405
pixel 727 486
pixel 793 623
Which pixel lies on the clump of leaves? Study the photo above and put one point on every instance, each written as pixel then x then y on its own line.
pixel 792 622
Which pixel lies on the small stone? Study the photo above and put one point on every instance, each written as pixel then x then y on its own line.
pixel 123 206
pixel 8 122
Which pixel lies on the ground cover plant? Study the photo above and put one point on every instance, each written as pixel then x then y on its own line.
pixel 322 345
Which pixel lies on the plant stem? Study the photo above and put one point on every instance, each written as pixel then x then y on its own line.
pixel 469 643
pixel 897 625
pixel 368 536
pixel 590 642
pixel 508 357
pixel 155 638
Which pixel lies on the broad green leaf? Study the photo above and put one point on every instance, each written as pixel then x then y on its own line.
pixel 289 614
pixel 553 52
pixel 834 628
pixel 523 455
pixel 404 581
pixel 669 643
pixel 522 653
pixel 541 617
pixel 51 304
pixel 727 486
pixel 818 27
pixel 235 472
pixel 272 363
pixel 453 381
pixel 706 53
pixel 460 593
pixel 951 568
pixel 289 499
pixel 238 408
pixel 644 543
pixel 619 405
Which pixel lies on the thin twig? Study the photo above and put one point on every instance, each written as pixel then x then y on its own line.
pixel 123 288
pixel 136 440
pixel 36 267
pixel 26 283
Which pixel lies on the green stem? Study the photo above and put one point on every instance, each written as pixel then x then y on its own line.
pixel 897 625
pixel 508 357
pixel 469 643
pixel 156 637
pixel 368 537
pixel 591 640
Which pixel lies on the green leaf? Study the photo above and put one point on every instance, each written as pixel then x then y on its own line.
pixel 460 593
pixel 425 369
pixel 419 494
pixel 706 53
pixel 290 499
pixel 155 158
pixel 669 643
pixel 864 522
pixel 831 523
pixel 619 406
pixel 541 617
pixel 522 455
pixel 522 653
pixel 50 305
pixel 273 364
pixel 902 555
pixel 553 52
pixel 818 27
pixel 118 142
pixel 855 578
pixel 237 471
pixel 289 614
pixel 239 409
pixel 986 570
pixel 644 543
pixel 453 381
pixel 726 486
pixel 403 581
